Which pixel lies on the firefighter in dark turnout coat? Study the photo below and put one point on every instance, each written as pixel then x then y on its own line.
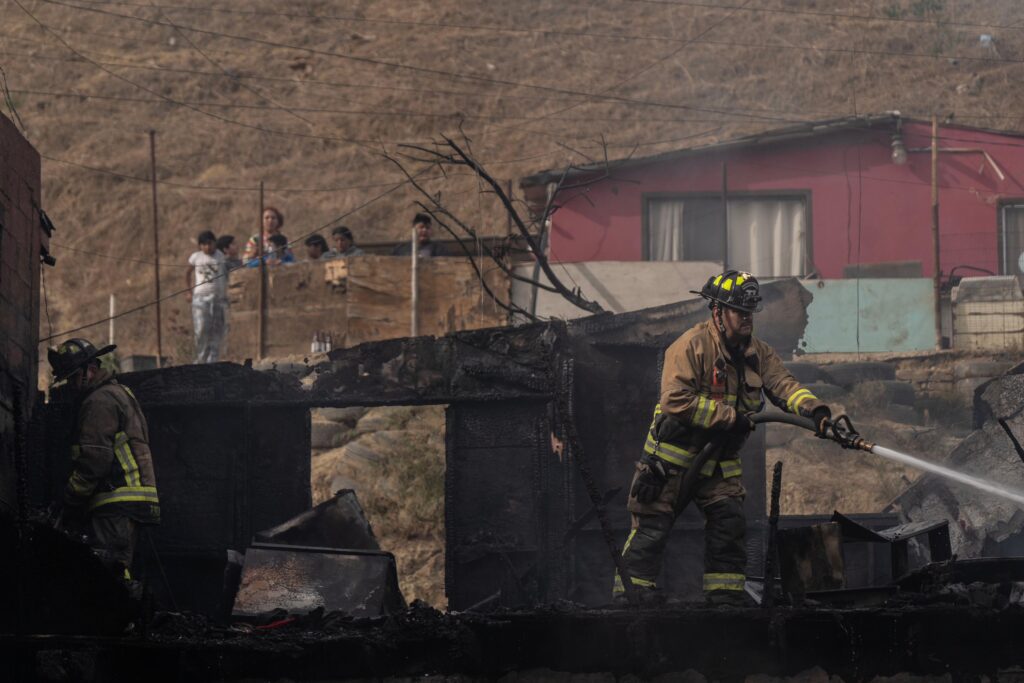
pixel 714 376
pixel 112 485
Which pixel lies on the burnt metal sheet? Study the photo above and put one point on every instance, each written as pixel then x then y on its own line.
pixel 336 523
pixel 811 559
pixel 898 538
pixel 865 563
pixel 299 580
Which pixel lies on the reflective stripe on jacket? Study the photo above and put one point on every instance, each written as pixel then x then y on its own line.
pixel 703 386
pixel 112 468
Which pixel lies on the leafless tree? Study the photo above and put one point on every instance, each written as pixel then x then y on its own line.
pixel 447 154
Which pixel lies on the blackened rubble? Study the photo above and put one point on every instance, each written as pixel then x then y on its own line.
pixel 521 531
pixel 851 644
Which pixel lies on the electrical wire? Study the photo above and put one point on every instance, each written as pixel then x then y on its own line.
pixel 497 81
pixel 633 76
pixel 398 65
pixel 544 31
pixel 821 13
pixel 98 254
pixel 253 90
pixel 363 112
pixel 445 93
pixel 223 119
pixel 513 83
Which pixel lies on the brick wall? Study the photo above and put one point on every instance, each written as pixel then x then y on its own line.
pixel 20 241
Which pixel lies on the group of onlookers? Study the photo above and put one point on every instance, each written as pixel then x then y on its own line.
pixel 207 277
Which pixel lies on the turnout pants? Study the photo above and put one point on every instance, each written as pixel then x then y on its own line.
pixel 725 556
pixel 113 540
pixel 209 318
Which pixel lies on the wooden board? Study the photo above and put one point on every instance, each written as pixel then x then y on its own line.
pixel 361 299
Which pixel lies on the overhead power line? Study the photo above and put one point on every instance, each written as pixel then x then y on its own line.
pixel 311 16
pixel 633 76
pixel 729 9
pixel 229 188
pixel 255 91
pixel 224 119
pixel 362 112
pixel 827 15
pixel 398 65
pixel 517 84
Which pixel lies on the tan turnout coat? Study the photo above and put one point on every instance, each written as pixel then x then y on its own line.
pixel 111 466
pixel 703 387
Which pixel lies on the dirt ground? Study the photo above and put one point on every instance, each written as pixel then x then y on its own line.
pixel 308 96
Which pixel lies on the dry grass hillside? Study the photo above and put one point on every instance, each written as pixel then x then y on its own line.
pixel 306 96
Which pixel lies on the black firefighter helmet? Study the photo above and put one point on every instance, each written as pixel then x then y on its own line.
pixel 734 289
pixel 73 355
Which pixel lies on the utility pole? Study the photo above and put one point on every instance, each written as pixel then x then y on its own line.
pixel 156 250
pixel 725 217
pixel 414 303
pixel 262 298
pixel 935 232
pixel 112 314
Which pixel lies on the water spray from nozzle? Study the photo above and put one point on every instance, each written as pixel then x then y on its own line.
pixel 841 430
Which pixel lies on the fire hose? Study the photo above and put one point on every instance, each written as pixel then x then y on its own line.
pixel 839 429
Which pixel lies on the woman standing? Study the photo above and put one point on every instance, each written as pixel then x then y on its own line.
pixel 273 221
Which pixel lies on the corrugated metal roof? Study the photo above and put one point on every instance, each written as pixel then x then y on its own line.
pixel 795 132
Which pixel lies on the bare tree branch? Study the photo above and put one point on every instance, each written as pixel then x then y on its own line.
pixel 573 297
pixel 447 152
pixel 511 306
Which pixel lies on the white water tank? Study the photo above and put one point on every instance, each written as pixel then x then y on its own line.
pixel 988 314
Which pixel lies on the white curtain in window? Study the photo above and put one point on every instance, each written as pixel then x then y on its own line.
pixel 766 236
pixel 665 230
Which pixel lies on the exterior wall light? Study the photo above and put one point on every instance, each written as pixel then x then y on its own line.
pixel 899 150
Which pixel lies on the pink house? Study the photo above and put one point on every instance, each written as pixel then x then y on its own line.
pixel 813 198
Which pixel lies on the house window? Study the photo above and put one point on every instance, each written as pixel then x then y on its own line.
pixel 767 235
pixel 1012 218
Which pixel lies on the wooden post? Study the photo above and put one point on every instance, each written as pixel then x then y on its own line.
pixel 112 314
pixel 156 250
pixel 414 298
pixel 262 298
pixel 725 217
pixel 935 232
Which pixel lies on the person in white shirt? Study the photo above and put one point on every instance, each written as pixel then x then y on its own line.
pixel 208 279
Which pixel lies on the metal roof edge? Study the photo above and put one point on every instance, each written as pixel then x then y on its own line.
pixel 797 131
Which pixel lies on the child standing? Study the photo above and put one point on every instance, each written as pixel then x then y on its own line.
pixel 208 278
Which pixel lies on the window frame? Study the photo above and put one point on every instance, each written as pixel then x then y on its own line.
pixel 1004 204
pixel 803 195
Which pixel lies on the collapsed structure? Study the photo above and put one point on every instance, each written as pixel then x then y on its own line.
pixel 533 440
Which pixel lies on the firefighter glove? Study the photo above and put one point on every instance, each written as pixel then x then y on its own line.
pixel 651 480
pixel 821 416
pixel 742 424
